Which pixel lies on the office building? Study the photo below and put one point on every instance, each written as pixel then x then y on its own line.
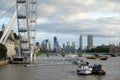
pixel 46 45
pixel 90 42
pixel 56 47
pixel 80 43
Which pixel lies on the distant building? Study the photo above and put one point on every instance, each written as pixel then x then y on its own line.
pixel 114 48
pixel 11 42
pixel 56 46
pixel 55 41
pixel 119 47
pixel 45 46
pixel 68 44
pixel 90 42
pixel 70 48
pixel 37 47
pixel 73 47
pixel 64 46
pixel 73 44
pixel 80 43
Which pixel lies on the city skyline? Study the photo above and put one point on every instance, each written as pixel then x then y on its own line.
pixel 77 42
pixel 68 19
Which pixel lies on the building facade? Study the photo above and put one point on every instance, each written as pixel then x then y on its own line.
pixel 56 46
pixel 45 46
pixel 80 43
pixel 90 42
pixel 11 42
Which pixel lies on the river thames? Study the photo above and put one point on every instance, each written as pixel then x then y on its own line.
pixel 58 68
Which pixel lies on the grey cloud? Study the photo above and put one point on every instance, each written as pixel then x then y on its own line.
pixel 97 27
pixel 58 13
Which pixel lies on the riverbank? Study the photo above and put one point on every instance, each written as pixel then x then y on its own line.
pixel 4 62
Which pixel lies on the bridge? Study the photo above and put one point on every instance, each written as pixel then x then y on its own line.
pixel 25 13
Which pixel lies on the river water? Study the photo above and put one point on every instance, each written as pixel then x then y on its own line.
pixel 58 68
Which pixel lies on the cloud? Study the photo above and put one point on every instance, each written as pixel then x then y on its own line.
pixel 100 26
pixel 74 17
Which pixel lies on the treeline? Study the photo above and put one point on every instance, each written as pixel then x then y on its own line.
pixel 99 49
pixel 3 52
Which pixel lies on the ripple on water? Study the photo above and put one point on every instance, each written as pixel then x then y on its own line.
pixel 59 70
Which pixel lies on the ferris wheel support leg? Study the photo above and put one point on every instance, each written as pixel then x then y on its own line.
pixel 8 29
pixel 31 57
pixel 34 57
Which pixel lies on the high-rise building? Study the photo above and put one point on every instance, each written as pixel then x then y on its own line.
pixel 46 45
pixel 73 48
pixel 80 43
pixel 73 44
pixel 90 42
pixel 63 45
pixel 68 44
pixel 55 41
pixel 56 46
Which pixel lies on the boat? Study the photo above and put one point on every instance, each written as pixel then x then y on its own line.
pixel 95 56
pixel 84 69
pixel 98 57
pixel 17 60
pixel 76 61
pixel 92 57
pixel 27 65
pixel 97 70
pixel 111 54
pixel 103 58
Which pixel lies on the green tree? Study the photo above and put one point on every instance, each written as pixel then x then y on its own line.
pixel 99 49
pixel 3 51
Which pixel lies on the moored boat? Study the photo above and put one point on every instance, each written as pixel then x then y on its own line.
pixel 97 70
pixel 98 57
pixel 84 69
pixel 103 58
pixel 95 56
pixel 92 57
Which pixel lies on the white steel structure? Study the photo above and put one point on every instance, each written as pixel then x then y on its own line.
pixel 26 18
pixel 32 29
pixel 8 29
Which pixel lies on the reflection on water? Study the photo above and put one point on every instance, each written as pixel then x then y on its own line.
pixel 58 69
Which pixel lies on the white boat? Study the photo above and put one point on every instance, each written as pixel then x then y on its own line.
pixel 27 65
pixel 84 69
pixel 76 61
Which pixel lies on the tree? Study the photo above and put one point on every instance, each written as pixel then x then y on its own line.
pixel 99 49
pixel 3 51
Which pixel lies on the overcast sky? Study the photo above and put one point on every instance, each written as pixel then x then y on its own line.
pixel 67 19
